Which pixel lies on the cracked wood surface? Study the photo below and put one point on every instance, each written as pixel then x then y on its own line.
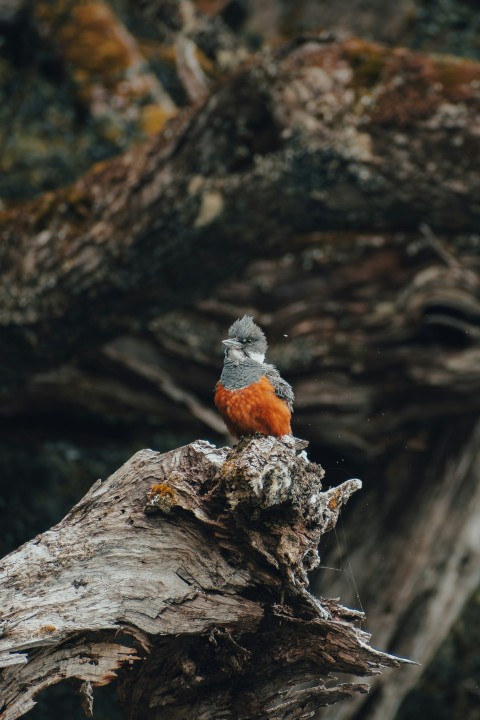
pixel 209 585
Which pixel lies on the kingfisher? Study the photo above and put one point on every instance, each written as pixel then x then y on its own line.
pixel 251 396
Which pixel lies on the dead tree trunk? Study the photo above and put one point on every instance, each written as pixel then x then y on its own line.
pixel 210 585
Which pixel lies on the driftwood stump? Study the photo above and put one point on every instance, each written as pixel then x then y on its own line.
pixel 186 574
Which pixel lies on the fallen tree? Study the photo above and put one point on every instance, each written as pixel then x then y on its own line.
pixel 193 589
pixel 329 135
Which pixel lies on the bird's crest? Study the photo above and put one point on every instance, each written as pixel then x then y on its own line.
pixel 245 327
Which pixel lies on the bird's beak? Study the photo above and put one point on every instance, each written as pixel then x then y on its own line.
pixel 232 344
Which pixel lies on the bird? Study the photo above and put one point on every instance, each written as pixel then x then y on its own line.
pixel 251 396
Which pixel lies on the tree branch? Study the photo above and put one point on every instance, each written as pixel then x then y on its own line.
pixel 328 135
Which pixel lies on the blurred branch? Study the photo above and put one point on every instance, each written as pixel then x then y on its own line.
pixel 313 136
pixel 10 9
pixel 103 60
pixel 189 70
pixel 416 579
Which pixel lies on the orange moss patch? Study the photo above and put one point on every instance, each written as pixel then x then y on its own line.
pixel 104 60
pixel 459 78
pixel 160 498
pixel 409 92
pixel 73 200
pixel 207 65
pixel 165 53
pixel 46 629
pixel 367 61
pixel 422 83
pixel 161 489
pixel 90 38
pixel 153 119
pixel 410 86
pixel 211 7
pixel 333 502
pixel 168 54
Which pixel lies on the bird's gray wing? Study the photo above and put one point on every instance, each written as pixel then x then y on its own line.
pixel 282 388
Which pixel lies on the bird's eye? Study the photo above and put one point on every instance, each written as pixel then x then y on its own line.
pixel 248 340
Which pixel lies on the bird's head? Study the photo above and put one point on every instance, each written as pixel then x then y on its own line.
pixel 245 341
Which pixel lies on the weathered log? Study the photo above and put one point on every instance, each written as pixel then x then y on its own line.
pixel 209 586
pixel 382 336
pixel 327 135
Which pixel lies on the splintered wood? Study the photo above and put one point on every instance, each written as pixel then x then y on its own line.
pixel 189 570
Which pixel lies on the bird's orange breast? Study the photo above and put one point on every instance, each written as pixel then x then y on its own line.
pixel 256 408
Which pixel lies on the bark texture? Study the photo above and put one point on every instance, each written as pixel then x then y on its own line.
pixel 205 572
pixel 328 135
pixel 379 335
